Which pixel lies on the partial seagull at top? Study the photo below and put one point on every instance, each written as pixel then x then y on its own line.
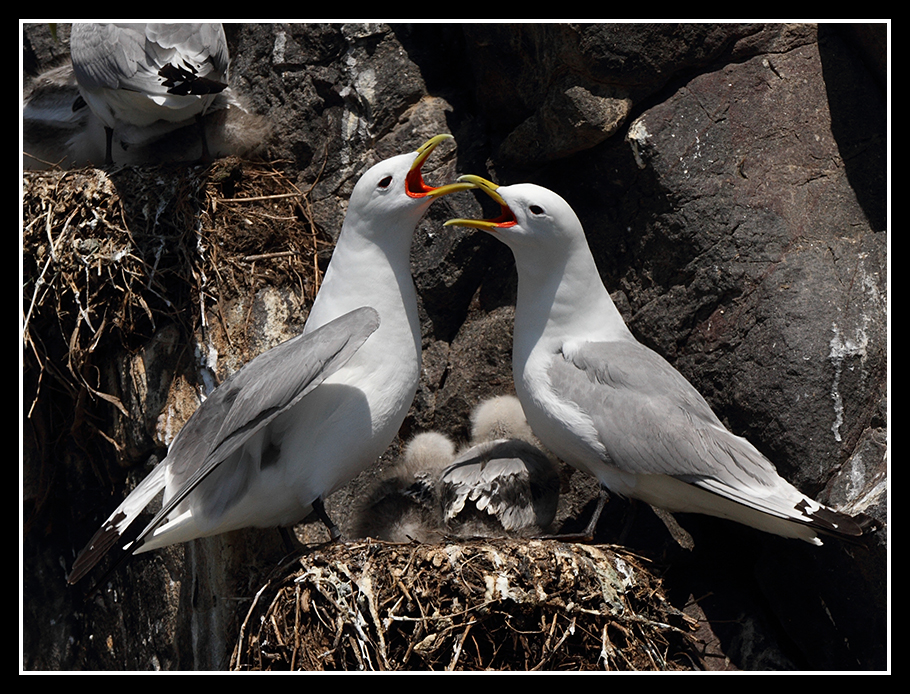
pixel 59 130
pixel 606 404
pixel 143 80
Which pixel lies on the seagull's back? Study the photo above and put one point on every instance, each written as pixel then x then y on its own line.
pixel 122 70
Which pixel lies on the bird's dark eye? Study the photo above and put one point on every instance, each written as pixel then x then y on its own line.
pixel 385 182
pixel 536 209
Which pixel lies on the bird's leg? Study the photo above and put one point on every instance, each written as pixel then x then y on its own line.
pixel 291 543
pixel 206 155
pixel 109 137
pixel 631 512
pixel 318 507
pixel 601 502
pixel 677 532
pixel 587 535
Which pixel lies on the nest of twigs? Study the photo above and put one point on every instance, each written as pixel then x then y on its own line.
pixel 484 605
pixel 109 258
pixel 112 256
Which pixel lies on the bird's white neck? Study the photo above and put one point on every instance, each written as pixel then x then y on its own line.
pixel 364 273
pixel 562 299
pixel 387 366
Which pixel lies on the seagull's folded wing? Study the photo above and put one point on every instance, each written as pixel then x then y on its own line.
pixel 247 401
pixel 652 422
pixel 253 396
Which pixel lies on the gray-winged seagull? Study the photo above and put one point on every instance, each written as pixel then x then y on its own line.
pixel 302 419
pixel 403 506
pixel 502 484
pixel 59 129
pixel 608 405
pixel 136 76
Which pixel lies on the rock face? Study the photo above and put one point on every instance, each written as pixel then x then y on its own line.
pixel 732 183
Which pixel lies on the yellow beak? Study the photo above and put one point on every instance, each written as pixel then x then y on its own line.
pixel 415 184
pixel 488 187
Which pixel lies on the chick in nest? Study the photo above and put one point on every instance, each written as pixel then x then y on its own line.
pixel 503 484
pixel 403 506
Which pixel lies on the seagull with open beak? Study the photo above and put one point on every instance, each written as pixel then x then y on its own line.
pixel 608 405
pixel 302 419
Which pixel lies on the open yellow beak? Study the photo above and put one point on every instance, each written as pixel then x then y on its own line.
pixel 415 185
pixel 506 218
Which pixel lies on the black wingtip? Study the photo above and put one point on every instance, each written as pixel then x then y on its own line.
pixel 839 524
pixel 109 537
pixel 182 81
pixel 100 544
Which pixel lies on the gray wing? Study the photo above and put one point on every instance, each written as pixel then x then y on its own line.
pixel 193 57
pixel 247 401
pixel 203 43
pixel 107 55
pixel 252 397
pixel 651 420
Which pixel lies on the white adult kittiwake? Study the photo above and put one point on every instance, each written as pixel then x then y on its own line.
pixel 304 418
pixel 60 130
pixel 608 405
pixel 145 79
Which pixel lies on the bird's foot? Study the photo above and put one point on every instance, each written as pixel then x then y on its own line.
pixel 586 535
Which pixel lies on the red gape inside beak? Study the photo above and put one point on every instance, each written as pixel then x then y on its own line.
pixel 505 218
pixel 414 184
